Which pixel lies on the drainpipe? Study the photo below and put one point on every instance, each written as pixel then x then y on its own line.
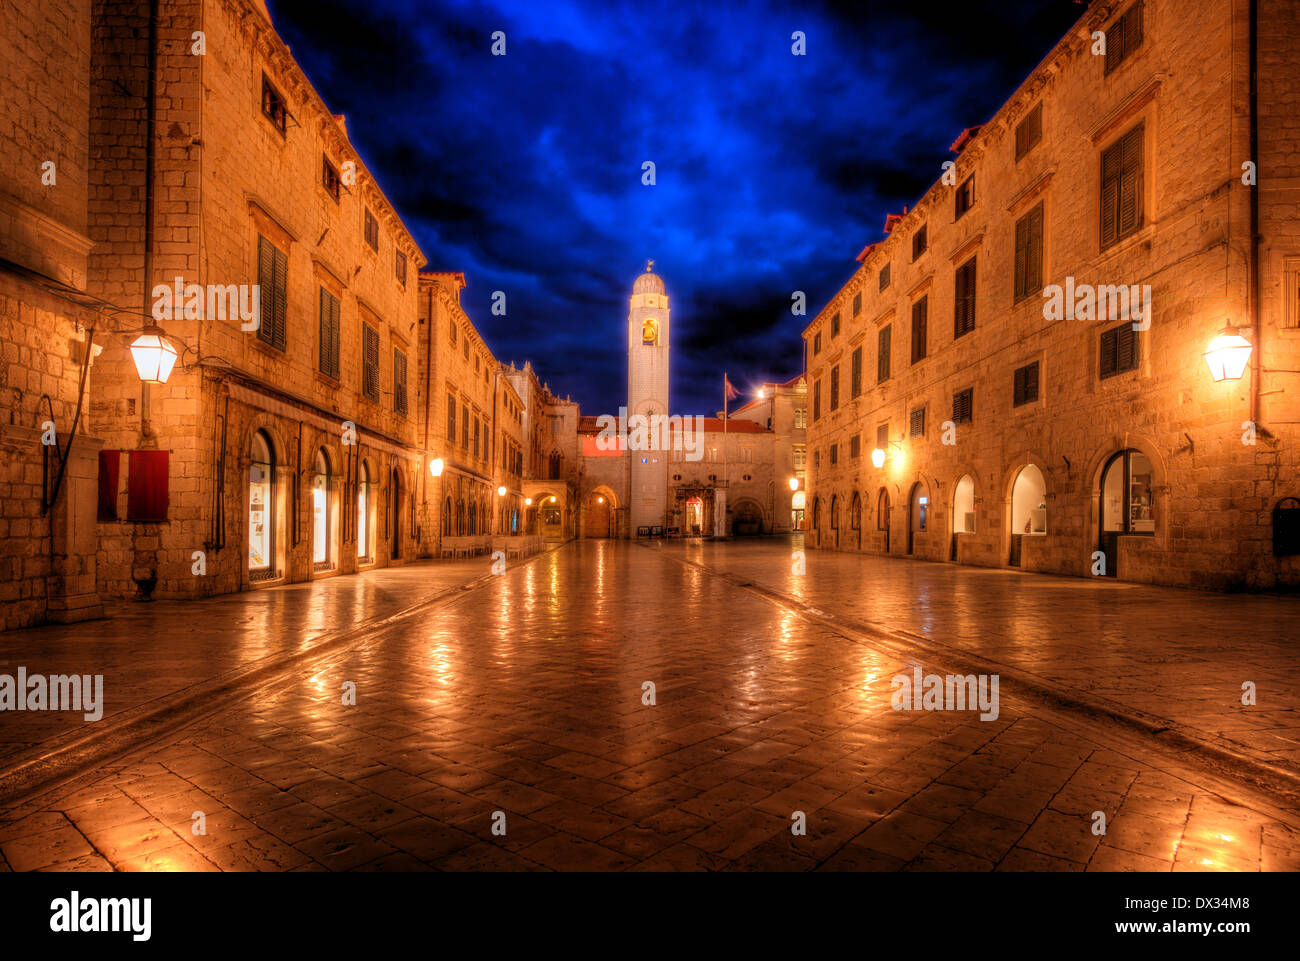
pixel 1257 356
pixel 146 429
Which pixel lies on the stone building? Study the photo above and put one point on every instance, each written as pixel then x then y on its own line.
pixel 979 392
pixel 550 439
pixel 736 483
pixel 471 425
pixel 50 329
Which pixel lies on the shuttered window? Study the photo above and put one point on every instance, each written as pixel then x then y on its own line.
pixel 1119 351
pixel 882 358
pixel 963 406
pixel 1029 131
pixel 399 382
pixel 835 387
pixel 884 276
pixel 329 177
pixel 817 343
pixel 920 311
pixel 1121 187
pixel 965 197
pixel 835 325
pixel 1029 254
pixel 329 334
pixel 855 374
pixel 916 423
pixel 272 278
pixel 1124 36
pixel 882 436
pixel 919 242
pixel 399 260
pixel 370 362
pixel 964 313
pixel 451 419
pixel 1025 390
pixel 464 427
pixel 817 399
pixel 372 230
pixel 855 446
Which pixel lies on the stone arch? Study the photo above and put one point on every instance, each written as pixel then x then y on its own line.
pixel 1092 478
pixel 748 518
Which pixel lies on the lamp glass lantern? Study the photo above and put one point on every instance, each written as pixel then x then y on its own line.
pixel 501 491
pixel 435 467
pixel 1228 355
pixel 878 458
pixel 154 355
pixel 794 483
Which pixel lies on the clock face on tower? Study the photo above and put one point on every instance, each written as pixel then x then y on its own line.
pixel 650 333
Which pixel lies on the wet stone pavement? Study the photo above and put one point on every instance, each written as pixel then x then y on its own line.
pixel 521 700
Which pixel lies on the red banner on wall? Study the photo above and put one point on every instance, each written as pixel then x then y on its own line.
pixel 146 485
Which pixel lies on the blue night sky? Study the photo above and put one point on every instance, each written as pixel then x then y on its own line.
pixel 773 171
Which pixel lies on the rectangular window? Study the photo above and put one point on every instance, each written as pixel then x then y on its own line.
pixel 964 313
pixel 370 362
pixel 372 231
pixel 920 315
pixel 451 420
pixel 464 427
pixel 855 446
pixel 919 242
pixel 800 457
pixel 1124 36
pixel 855 374
pixel 273 277
pixel 884 276
pixel 882 357
pixel 146 486
pixel 817 399
pixel 273 105
pixel 962 406
pixel 817 458
pixel 452 328
pixel 400 267
pixel 916 423
pixel 817 343
pixel 1029 254
pixel 1029 131
pixel 835 387
pixel 465 346
pixel 835 454
pixel 800 418
pixel 1025 390
pixel 475 443
pixel 329 177
pixel 329 334
pixel 399 382
pixel 857 303
pixel 1119 351
pixel 965 197
pixel 110 465
pixel 1121 187
pixel 882 437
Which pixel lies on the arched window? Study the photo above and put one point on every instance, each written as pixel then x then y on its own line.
pixel 365 497
pixel 882 510
pixel 460 518
pixel 1029 502
pixel 963 506
pixel 322 553
pixel 855 512
pixel 261 505
pixel 835 512
pixel 447 518
pixel 554 465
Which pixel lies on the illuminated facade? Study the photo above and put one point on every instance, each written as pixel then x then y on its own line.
pixel 979 392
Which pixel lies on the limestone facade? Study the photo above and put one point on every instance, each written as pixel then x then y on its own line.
pixel 1010 435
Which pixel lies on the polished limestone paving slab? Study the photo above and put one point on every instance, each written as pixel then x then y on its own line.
pixel 521 707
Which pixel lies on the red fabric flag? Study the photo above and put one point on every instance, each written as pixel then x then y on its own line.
pixel 732 393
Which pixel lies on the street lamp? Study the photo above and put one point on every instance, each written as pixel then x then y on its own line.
pixel 1228 355
pixel 154 355
pixel 435 467
pixel 794 483
pixel 878 458
pixel 501 491
pixel 528 502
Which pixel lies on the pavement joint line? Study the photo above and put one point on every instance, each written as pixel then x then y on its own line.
pixel 1279 786
pixel 67 757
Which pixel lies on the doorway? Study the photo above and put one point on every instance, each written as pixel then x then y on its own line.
pixel 1126 506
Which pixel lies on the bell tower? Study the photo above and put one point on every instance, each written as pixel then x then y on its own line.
pixel 648 333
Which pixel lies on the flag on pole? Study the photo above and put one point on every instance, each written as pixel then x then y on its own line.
pixel 731 391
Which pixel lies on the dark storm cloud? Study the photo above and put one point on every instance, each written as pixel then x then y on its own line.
pixel 773 171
